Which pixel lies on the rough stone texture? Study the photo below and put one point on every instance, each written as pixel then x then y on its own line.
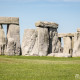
pixel 29 43
pixel 43 41
pixel 14 33
pixel 65 35
pixel 9 20
pixel 46 24
pixel 76 49
pixel 11 47
pixel 2 41
pixel 53 41
pixel 67 45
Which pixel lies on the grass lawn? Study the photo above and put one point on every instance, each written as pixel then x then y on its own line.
pixel 39 68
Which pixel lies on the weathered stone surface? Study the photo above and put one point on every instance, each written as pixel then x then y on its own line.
pixel 53 40
pixel 29 43
pixel 2 41
pixel 11 47
pixel 14 33
pixel 9 20
pixel 65 35
pixel 43 41
pixel 67 45
pixel 76 49
pixel 46 24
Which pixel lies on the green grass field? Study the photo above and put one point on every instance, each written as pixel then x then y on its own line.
pixel 39 68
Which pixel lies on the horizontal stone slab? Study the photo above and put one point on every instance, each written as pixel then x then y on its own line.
pixel 9 20
pixel 78 29
pixel 46 24
pixel 65 34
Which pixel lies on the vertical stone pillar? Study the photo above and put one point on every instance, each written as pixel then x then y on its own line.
pixel 2 41
pixel 76 49
pixel 67 45
pixel 13 34
pixel 47 37
pixel 43 41
pixel 53 40
pixel 29 43
pixel 59 45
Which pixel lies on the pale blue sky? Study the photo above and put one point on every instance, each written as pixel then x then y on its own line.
pixel 64 12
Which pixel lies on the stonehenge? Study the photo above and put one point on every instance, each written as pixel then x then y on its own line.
pixel 44 40
pixel 44 37
pixel 10 43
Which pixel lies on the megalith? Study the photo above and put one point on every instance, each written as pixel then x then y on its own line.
pixel 29 43
pixel 67 45
pixel 11 43
pixel 76 49
pixel 14 34
pixel 47 37
pixel 2 41
pixel 43 41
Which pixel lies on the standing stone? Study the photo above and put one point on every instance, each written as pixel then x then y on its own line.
pixel 53 40
pixel 14 33
pixel 67 45
pixel 47 37
pixel 11 47
pixel 43 41
pixel 2 41
pixel 29 43
pixel 76 49
pixel 59 45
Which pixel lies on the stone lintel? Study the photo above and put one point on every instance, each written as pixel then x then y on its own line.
pixel 78 29
pixel 66 35
pixel 9 20
pixel 46 24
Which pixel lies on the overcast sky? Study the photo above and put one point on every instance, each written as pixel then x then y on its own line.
pixel 64 12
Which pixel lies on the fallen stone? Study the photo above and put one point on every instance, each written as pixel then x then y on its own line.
pixel 60 55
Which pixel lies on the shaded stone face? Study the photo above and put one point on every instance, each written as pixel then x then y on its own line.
pixel 9 20
pixel 53 40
